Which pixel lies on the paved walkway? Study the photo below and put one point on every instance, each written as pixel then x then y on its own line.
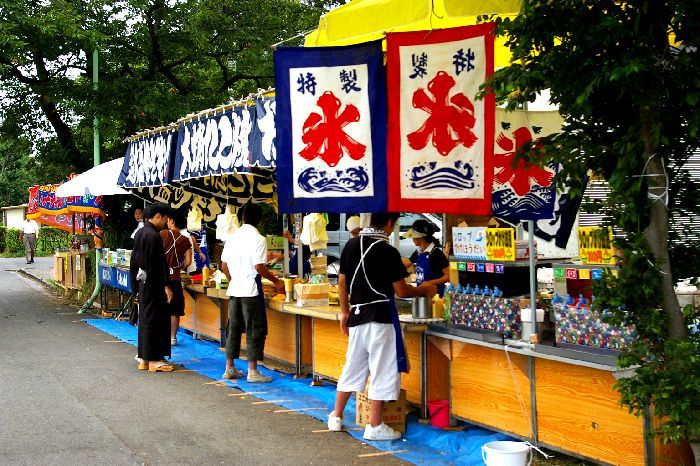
pixel 70 395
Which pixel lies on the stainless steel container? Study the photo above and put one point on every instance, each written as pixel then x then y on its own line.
pixel 422 307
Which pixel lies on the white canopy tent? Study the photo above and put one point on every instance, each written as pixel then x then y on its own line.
pixel 98 181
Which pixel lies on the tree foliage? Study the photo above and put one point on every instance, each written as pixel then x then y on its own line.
pixel 626 78
pixel 159 60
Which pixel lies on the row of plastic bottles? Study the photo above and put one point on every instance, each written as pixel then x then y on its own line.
pixel 570 301
pixel 451 292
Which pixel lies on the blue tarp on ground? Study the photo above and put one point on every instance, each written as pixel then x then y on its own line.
pixel 424 444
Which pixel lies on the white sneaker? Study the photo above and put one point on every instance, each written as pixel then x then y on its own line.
pixel 381 432
pixel 230 374
pixel 335 423
pixel 173 342
pixel 257 377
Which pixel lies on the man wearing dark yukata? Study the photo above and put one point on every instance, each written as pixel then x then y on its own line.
pixel 149 271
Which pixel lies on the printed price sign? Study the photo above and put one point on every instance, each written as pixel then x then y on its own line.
pixel 454 265
pixel 462 266
pixel 469 243
pixel 480 267
pixel 489 268
pixel 584 274
pixel 471 266
pixel 559 273
pixel 571 274
pixel 595 245
pixel 500 244
pixel 597 274
pixel 500 268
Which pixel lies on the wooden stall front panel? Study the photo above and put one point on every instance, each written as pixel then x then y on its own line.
pixel 330 346
pixel 578 411
pixel 482 388
pixel 187 321
pixel 439 353
pixel 411 381
pixel 280 343
pixel 208 317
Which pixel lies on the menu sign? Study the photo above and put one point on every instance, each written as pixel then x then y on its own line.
pixel 500 244
pixel 595 245
pixel 469 243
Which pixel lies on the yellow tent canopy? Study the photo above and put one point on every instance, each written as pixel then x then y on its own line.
pixel 366 20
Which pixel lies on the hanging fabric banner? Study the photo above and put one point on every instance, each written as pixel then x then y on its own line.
pixel 215 145
pixel 440 136
pixel 43 201
pixel 331 127
pixel 522 191
pixel 262 145
pixel 559 226
pixel 148 161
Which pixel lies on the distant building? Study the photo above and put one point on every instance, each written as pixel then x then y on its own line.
pixel 13 216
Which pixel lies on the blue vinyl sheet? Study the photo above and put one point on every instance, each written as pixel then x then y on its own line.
pixel 424 444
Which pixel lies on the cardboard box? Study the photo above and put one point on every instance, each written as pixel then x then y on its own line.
pixel 312 294
pixel 393 413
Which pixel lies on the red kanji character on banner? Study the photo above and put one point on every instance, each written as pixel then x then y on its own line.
pixel 448 116
pixel 324 135
pixel 518 176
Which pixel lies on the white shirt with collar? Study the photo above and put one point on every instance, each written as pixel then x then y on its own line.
pixel 30 227
pixel 243 251
pixel 138 227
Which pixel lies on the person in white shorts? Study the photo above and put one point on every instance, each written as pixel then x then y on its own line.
pixel 371 271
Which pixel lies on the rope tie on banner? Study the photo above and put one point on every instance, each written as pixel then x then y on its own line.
pixel 274 46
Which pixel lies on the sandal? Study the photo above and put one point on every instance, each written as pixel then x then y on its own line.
pixel 160 366
pixel 143 365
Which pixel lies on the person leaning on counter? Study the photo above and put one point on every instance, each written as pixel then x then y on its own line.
pixel 243 262
pixel 431 264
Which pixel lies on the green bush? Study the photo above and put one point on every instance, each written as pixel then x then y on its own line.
pixel 3 230
pixel 50 239
pixel 13 242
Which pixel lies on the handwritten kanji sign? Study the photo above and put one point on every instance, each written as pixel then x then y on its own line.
pixel 523 187
pixel 440 136
pixel 469 243
pixel 331 128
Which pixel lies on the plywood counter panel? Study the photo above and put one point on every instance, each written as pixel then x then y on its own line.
pixel 482 388
pixel 208 317
pixel 411 381
pixel 330 346
pixel 578 411
pixel 280 343
pixel 187 321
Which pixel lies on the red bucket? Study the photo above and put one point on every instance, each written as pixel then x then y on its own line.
pixel 439 412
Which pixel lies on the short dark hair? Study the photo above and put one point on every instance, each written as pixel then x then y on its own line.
pixel 158 208
pixel 180 219
pixel 379 219
pixel 252 214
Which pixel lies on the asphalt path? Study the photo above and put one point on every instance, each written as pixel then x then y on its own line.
pixel 70 395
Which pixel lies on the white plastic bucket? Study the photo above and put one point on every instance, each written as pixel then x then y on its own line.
pixel 504 453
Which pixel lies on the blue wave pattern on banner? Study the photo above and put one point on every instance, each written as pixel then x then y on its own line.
pixel 536 204
pixel 352 180
pixel 428 176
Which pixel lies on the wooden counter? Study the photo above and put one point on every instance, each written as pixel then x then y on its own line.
pixel 576 409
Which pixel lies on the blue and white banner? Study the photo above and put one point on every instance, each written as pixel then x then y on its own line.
pixel 262 146
pixel 148 161
pixel 331 128
pixel 215 145
pixel 115 277
pixel 523 191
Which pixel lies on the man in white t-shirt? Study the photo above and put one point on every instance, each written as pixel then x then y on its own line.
pixel 243 262
pixel 29 234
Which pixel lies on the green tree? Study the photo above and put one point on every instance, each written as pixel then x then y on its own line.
pixel 626 78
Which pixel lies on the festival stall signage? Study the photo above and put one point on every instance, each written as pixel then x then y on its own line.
pixel 523 189
pixel 596 245
pixel 331 125
pixel 500 244
pixel 469 243
pixel 440 136
pixel 147 161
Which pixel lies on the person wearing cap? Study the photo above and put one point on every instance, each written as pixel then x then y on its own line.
pixel 431 264
pixel 353 226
